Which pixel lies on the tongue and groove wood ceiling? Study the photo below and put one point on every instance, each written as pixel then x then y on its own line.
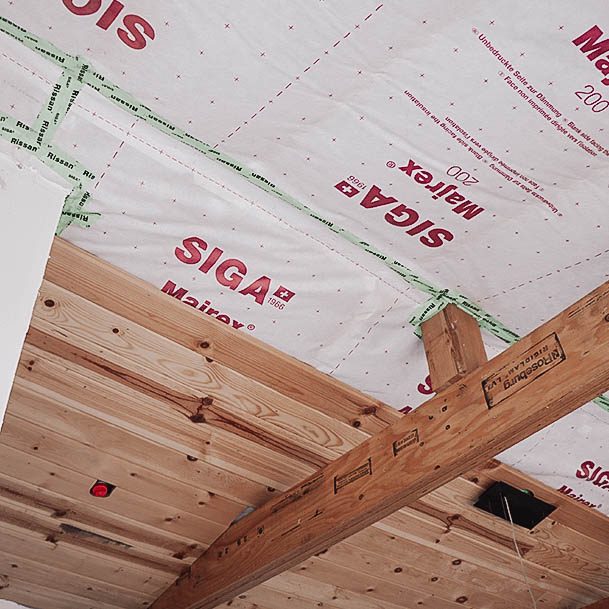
pixel 195 424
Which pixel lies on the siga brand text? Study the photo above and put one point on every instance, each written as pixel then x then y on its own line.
pixel 133 30
pixel 229 272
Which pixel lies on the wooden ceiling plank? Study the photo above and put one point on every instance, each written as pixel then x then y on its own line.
pixel 368 584
pixel 115 290
pixel 57 581
pixel 53 576
pixel 147 468
pixel 306 586
pixel 404 573
pixel 101 567
pixel 496 558
pixel 436 563
pixel 453 346
pixel 276 599
pixel 114 463
pixel 552 533
pixel 461 427
pixel 20 521
pixel 56 537
pixel 29 594
pixel 19 497
pixel 582 564
pixel 197 386
pixel 151 418
pixel 177 501
pixel 239 603
pixel 462 545
pixel 61 494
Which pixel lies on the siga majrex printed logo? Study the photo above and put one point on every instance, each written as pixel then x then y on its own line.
pixel 231 273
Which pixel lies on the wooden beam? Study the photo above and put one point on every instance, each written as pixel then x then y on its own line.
pixel 453 346
pixel 554 370
pixel 602 604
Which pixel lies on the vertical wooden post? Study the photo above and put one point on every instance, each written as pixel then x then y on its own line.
pixel 453 346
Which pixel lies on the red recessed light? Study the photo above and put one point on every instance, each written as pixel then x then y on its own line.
pixel 101 489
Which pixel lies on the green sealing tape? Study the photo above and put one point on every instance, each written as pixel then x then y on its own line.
pixel 44 48
pixel 603 402
pixel 22 136
pixel 427 310
pixel 64 92
pixel 73 211
pixel 76 73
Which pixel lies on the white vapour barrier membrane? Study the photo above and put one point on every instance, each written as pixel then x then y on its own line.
pixel 322 175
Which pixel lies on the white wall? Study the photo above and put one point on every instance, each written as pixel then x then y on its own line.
pixel 30 206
